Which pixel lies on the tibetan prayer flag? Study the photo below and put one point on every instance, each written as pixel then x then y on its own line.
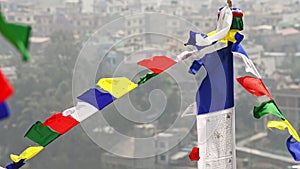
pixel 216 90
pixel 6 89
pixel 41 135
pixel 18 35
pixel 238 51
pixel 96 98
pixel 294 148
pixel 61 124
pixel 27 154
pixel 254 86
pixel 282 125
pixel 194 155
pixel 196 66
pixel 145 78
pixel 117 86
pixel 16 165
pixel 192 40
pixel 268 107
pixel 249 66
pixel 157 64
pixel 4 110
pixel 83 111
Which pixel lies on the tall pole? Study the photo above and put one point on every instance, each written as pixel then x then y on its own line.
pixel 216 111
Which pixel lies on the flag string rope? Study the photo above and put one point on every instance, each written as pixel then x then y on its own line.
pixel 53 127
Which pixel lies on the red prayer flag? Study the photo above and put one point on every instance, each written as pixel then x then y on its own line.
pixel 254 86
pixel 194 155
pixel 157 64
pixel 59 123
pixel 6 90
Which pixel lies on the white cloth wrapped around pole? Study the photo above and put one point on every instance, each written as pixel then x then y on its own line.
pixel 216 140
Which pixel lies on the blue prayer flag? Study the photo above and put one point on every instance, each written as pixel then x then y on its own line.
pixel 16 165
pixel 294 148
pixel 4 110
pixel 216 90
pixel 97 98
pixel 192 40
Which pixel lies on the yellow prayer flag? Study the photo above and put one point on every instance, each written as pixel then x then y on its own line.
pixel 117 86
pixel 282 125
pixel 27 154
pixel 229 37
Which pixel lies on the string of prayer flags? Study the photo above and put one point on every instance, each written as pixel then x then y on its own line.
pixel 282 125
pixel 117 86
pixel 41 135
pixel 145 78
pixel 293 147
pixel 254 86
pixel 268 107
pixel 194 155
pixel 157 64
pixel 27 154
pixel 97 98
pixel 18 35
pixel 16 165
pixel 61 124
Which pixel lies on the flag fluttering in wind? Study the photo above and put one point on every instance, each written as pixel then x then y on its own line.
pixel 6 90
pixel 117 86
pixel 268 107
pixel 18 35
pixel 145 78
pixel 216 90
pixel 282 125
pixel 254 86
pixel 157 64
pixel 194 155
pixel 41 135
pixel 293 147
pixel 61 124
pixel 97 98
pixel 27 154
pixel 16 165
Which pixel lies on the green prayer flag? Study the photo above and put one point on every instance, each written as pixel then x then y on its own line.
pixel 237 23
pixel 145 78
pixel 41 135
pixel 18 35
pixel 268 107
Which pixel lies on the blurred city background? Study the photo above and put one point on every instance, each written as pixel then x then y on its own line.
pixel 62 27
